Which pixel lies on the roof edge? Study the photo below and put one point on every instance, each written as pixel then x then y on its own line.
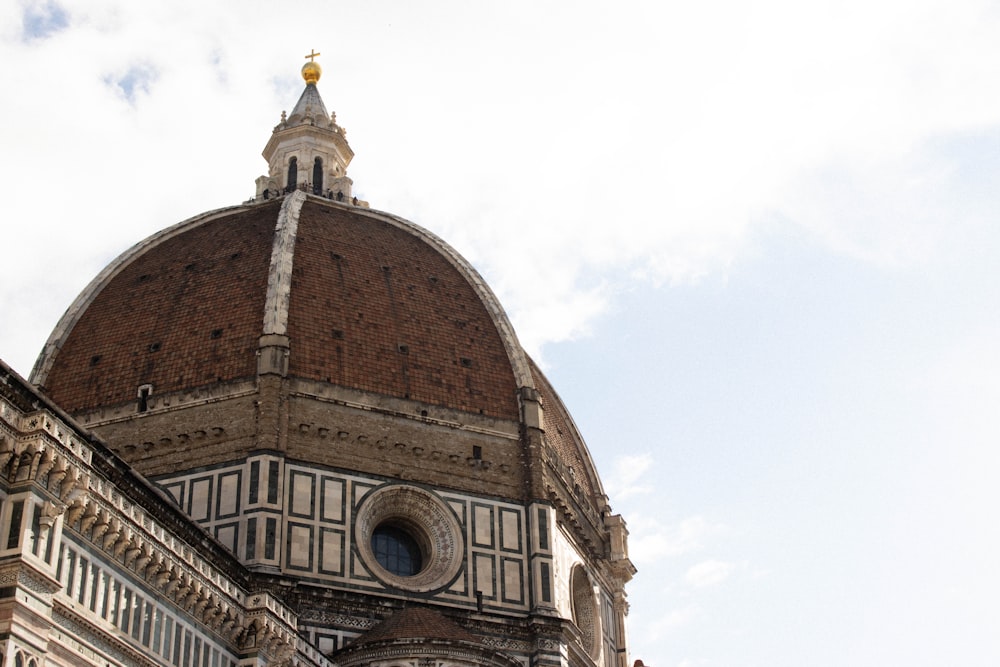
pixel 46 358
pixel 552 395
pixel 515 353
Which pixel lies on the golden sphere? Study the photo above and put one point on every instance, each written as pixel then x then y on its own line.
pixel 311 72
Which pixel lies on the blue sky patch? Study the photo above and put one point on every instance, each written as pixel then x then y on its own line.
pixel 137 80
pixel 42 20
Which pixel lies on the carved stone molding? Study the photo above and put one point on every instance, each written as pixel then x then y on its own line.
pixel 23 575
pixel 431 522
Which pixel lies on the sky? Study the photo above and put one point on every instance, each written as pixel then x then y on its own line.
pixel 754 245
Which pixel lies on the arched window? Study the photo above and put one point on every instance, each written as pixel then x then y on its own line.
pixel 318 176
pixel 293 174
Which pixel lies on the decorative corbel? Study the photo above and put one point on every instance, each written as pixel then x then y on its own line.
pixel 75 510
pixel 50 512
pixel 112 533
pixel 172 581
pixel 36 461
pixel 89 517
pixel 123 542
pixel 45 466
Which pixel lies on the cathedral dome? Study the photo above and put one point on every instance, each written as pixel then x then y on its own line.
pixel 306 325
pixel 334 397
pixel 361 299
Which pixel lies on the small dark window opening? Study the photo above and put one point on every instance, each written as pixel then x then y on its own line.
pixel 396 550
pixel 272 483
pixel 318 176
pixel 543 529
pixel 270 531
pixel 254 481
pixel 154 347
pixel 16 512
pixel 466 362
pixel 144 393
pixel 216 333
pixel 251 550
pixel 403 349
pixel 293 174
pixel 36 529
pixel 546 585
pixel 94 360
pixel 477 452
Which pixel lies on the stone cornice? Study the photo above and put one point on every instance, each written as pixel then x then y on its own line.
pixel 23 574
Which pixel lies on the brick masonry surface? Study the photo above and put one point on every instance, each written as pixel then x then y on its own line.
pixel 373 306
pixel 186 313
pixel 376 308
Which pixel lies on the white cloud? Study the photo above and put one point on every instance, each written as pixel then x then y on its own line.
pixel 690 662
pixel 709 119
pixel 650 540
pixel 625 479
pixel 675 618
pixel 708 573
pixel 962 386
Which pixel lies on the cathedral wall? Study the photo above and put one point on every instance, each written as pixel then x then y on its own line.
pixel 564 557
pixel 582 596
pixel 100 608
pixel 98 568
pixel 482 458
pixel 307 520
pixel 183 431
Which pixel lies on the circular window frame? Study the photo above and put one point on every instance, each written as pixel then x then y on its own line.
pixel 430 522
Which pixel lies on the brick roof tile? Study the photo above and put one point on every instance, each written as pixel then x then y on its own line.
pixel 415 623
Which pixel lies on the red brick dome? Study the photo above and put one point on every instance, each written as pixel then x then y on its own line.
pixel 365 301
pixel 311 326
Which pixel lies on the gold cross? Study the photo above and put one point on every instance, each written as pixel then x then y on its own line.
pixel 312 56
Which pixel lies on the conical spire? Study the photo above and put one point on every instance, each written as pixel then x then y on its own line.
pixel 307 149
pixel 310 107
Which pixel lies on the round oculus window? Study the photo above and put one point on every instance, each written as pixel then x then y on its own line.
pixel 397 550
pixel 408 538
